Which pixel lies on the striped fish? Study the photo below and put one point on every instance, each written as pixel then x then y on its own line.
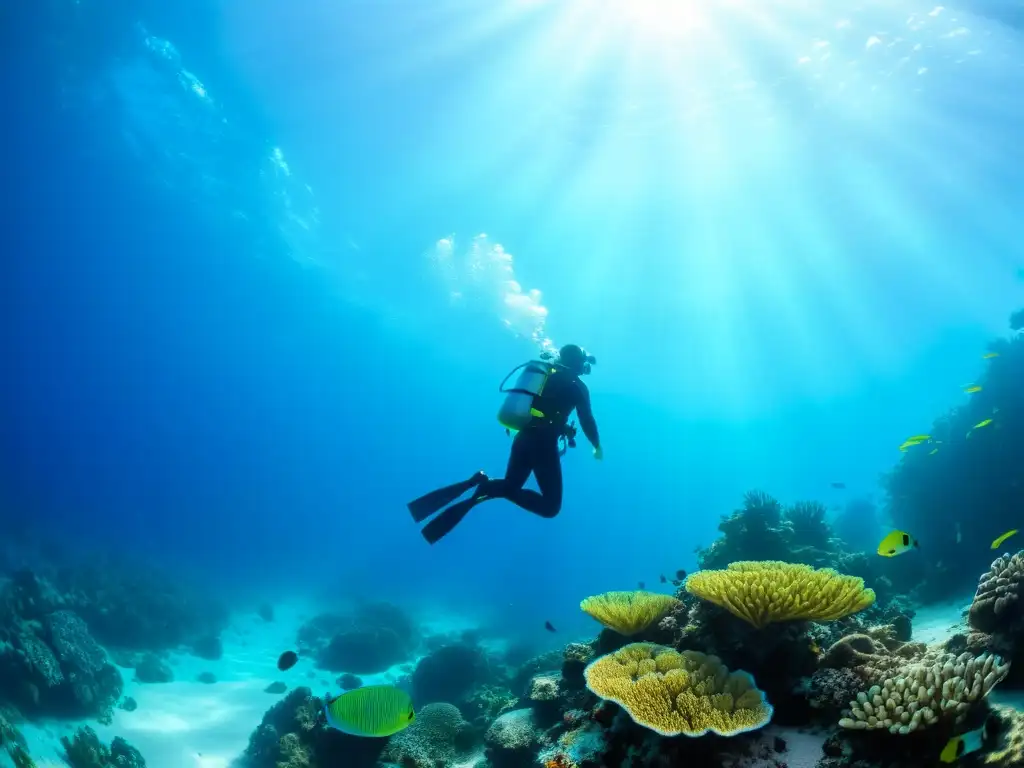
pixel 374 710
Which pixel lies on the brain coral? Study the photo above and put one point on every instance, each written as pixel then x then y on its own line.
pixel 676 693
pixel 996 604
pixel 764 592
pixel 628 612
pixel 926 693
pixel 434 736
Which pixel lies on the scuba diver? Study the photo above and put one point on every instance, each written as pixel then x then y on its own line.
pixel 537 407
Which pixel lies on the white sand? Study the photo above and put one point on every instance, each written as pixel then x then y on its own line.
pixel 935 623
pixel 188 724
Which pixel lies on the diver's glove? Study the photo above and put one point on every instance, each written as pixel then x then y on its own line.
pixel 599 453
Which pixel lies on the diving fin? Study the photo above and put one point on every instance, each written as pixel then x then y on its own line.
pixel 443 524
pixel 433 502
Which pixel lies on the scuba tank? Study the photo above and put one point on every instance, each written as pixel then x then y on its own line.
pixel 517 410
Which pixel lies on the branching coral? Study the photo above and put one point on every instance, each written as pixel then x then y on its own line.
pixel 997 605
pixel 628 612
pixel 765 592
pixel 807 518
pixel 873 654
pixel 675 693
pixel 926 693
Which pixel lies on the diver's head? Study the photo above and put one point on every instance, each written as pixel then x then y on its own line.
pixel 575 359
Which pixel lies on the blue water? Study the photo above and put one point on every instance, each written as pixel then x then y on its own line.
pixel 230 341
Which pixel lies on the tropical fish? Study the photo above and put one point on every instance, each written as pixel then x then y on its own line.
pixel 896 543
pixel 374 710
pixel 998 542
pixel 964 744
pixel 970 389
pixel 677 582
pixel 933 451
pixel 680 574
pixel 839 485
pixel 959 537
pixel 641 585
pixel 910 442
pixel 815 648
pixel 287 660
pixel 663 579
pixel 549 626
pixel 981 424
pixel 989 355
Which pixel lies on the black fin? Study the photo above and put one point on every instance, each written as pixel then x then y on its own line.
pixel 433 502
pixel 443 524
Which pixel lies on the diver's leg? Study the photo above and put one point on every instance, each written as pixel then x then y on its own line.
pixel 547 468
pixel 426 505
pixel 517 471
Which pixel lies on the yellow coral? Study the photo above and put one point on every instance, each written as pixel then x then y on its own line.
pixel 628 612
pixel 676 693
pixel 763 592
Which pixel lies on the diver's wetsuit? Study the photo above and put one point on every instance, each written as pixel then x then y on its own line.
pixel 535 448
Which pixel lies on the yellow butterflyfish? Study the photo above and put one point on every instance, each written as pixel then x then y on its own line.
pixel 896 543
pixel 972 388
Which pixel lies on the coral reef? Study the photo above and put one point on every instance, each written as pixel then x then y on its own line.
pixel 628 612
pixel 512 739
pixel 130 605
pixel 439 737
pixel 294 735
pixel 85 750
pixel 449 673
pixel 765 592
pixel 374 637
pixel 660 668
pixel 52 666
pixel 675 693
pixel 963 476
pixel 925 693
pixel 997 605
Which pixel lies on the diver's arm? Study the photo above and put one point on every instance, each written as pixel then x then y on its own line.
pixel 586 417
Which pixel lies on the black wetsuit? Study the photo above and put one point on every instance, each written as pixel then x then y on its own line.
pixel 535 448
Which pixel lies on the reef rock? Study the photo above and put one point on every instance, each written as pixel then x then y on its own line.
pixel 512 739
pixel 439 736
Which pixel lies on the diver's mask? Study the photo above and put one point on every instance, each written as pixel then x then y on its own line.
pixel 589 361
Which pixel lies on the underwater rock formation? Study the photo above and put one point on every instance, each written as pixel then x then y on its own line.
pixel 513 739
pixel 374 637
pixel 85 750
pixel 150 668
pixel 438 738
pixel 136 607
pixel 942 489
pixel 450 673
pixel 293 734
pixel 52 666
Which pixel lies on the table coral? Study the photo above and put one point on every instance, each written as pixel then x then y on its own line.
pixel 628 612
pixel 675 693
pixel 770 591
